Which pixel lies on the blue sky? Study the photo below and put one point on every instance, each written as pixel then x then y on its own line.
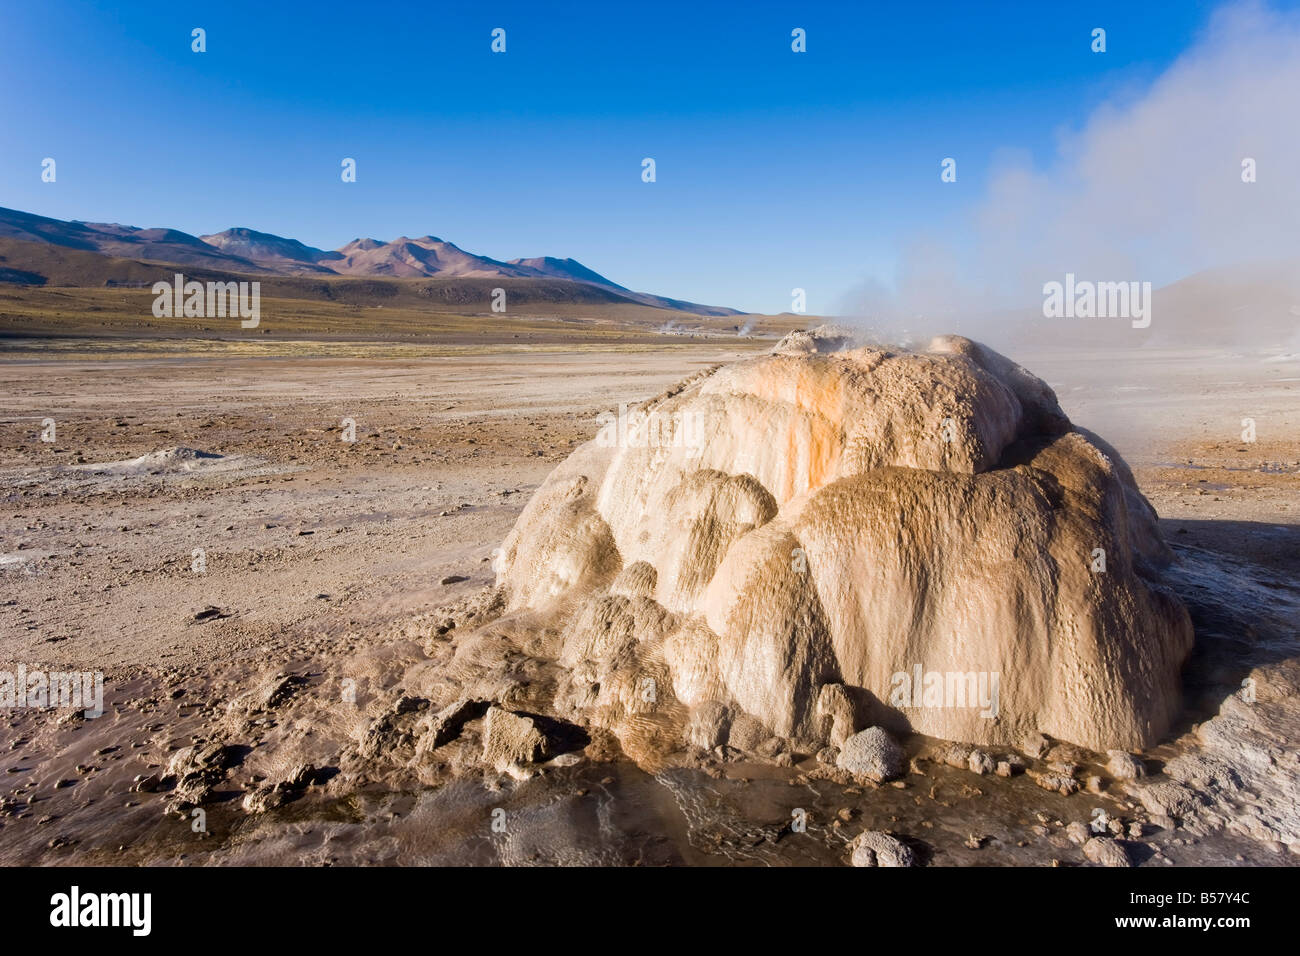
pixel 775 169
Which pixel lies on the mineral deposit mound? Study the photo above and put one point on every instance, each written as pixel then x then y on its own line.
pixel 782 547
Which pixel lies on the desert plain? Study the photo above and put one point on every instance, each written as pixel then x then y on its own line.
pixel 261 592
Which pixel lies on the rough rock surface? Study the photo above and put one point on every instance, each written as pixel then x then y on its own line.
pixel 872 754
pixel 511 740
pixel 981 762
pixel 874 848
pixel 1169 799
pixel 1104 851
pixel 269 796
pixel 819 518
pixel 1124 766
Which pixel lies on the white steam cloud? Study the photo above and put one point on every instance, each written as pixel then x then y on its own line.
pixel 1149 188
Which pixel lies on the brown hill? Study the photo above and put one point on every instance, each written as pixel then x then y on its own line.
pixel 247 251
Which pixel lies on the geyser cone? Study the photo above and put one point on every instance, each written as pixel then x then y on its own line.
pixel 810 542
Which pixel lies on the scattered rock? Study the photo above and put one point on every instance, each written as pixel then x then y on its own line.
pixel 875 848
pixel 980 762
pixel 269 796
pixel 746 733
pixel 151 783
pixel 446 725
pixel 200 758
pixel 1104 851
pixel 195 770
pixel 1065 754
pixel 567 760
pixel 1054 781
pixel 511 739
pixel 958 755
pixel 391 731
pixel 1034 745
pixel 407 704
pixel 873 754
pixel 1124 766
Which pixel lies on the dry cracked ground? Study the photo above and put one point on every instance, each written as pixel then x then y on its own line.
pixel 284 619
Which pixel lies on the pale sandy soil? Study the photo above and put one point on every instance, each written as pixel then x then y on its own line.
pixel 320 552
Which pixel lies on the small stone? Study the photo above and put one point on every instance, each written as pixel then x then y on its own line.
pixel 264 798
pixel 1053 781
pixel 980 762
pixel 875 848
pixel 873 754
pixel 445 726
pixel 1034 745
pixel 746 733
pixel 1104 851
pixel 1124 766
pixel 511 739
pixel 958 755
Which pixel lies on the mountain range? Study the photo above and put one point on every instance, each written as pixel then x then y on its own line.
pixel 243 250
